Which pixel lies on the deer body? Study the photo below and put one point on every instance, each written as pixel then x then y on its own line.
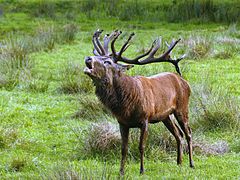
pixel 138 101
pixel 134 99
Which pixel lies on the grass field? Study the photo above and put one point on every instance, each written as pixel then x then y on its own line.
pixel 50 116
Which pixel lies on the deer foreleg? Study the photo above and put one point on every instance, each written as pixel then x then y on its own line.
pixel 143 137
pixel 124 134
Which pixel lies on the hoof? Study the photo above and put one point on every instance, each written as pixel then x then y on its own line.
pixel 142 172
pixel 192 166
pixel 121 172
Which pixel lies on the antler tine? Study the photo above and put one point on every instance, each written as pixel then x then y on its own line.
pixel 157 44
pixel 126 45
pixel 170 48
pixel 151 59
pixel 107 38
pixel 96 50
pixel 96 37
pixel 114 54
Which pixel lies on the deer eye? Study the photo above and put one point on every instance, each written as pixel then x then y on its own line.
pixel 107 62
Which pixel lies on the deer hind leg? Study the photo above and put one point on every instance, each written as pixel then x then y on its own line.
pixel 177 133
pixel 182 119
pixel 124 134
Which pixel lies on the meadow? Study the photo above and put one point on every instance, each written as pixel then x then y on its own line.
pixel 52 125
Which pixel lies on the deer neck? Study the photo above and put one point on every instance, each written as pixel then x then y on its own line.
pixel 120 95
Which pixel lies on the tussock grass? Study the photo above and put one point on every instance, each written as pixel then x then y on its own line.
pixel 37 85
pixel 74 80
pixel 229 51
pixel 217 148
pixel 71 172
pixel 69 32
pixel 17 164
pixel 44 8
pixel 45 38
pixel 199 46
pixel 8 137
pixel 91 109
pixel 214 109
pixel 15 61
pixel 103 138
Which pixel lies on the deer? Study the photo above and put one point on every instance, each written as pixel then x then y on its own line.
pixel 137 101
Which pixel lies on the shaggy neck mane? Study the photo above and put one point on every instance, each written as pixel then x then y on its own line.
pixel 121 96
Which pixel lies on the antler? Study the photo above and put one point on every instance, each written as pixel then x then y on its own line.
pixel 117 56
pixel 165 57
pixel 100 50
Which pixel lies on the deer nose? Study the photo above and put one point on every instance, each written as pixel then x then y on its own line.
pixel 88 59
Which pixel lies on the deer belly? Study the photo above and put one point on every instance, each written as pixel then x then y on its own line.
pixel 153 121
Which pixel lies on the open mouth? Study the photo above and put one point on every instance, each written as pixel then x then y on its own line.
pixel 88 69
pixel 89 65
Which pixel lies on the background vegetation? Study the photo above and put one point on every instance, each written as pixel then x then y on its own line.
pixel 50 117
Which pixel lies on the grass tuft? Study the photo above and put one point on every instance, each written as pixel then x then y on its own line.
pixel 214 110
pixel 74 81
pixel 91 109
pixel 102 138
pixel 17 164
pixel 199 47
pixel 69 32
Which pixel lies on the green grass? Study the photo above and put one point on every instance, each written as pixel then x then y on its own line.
pixel 45 118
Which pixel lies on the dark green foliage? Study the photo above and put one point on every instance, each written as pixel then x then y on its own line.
pixel 44 8
pixel 153 11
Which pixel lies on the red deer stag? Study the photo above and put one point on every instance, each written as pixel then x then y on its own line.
pixel 138 101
